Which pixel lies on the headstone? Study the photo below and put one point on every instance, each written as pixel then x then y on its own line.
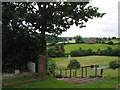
pixel 31 66
pixel 17 71
pixel 42 66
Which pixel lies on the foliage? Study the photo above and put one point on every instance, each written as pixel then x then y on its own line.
pixel 73 64
pixel 56 51
pixel 70 38
pixel 78 39
pixel 98 40
pixel 114 37
pixel 113 65
pixel 110 42
pixel 109 38
pixel 107 52
pixel 103 42
pixel 20 44
pixel 51 65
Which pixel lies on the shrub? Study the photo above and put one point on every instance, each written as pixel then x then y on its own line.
pixel 56 51
pixel 103 42
pixel 51 65
pixel 111 42
pixel 113 65
pixel 73 64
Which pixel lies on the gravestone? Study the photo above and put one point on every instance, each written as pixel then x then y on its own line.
pixel 17 72
pixel 31 67
pixel 42 66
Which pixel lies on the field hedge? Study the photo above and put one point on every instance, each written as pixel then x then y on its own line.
pixel 107 52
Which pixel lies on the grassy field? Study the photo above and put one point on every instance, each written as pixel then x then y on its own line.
pixel 110 76
pixel 59 59
pixel 102 61
pixel 94 47
pixel 114 41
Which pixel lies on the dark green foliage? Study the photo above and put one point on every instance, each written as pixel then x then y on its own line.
pixel 103 42
pixel 73 64
pixel 81 52
pixel 70 38
pixel 99 40
pixel 51 65
pixel 113 65
pixel 20 45
pixel 110 42
pixel 56 51
pixel 107 52
pixel 78 39
pixel 109 38
pixel 114 37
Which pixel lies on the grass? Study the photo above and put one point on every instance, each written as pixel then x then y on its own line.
pixel 102 61
pixel 54 83
pixel 13 80
pixel 60 59
pixel 114 41
pixel 94 47
pixel 110 76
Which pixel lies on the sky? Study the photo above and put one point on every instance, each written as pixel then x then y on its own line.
pixel 107 26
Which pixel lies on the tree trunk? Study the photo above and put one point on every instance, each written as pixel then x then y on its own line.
pixel 43 42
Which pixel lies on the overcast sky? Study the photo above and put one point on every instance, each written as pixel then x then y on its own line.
pixel 99 27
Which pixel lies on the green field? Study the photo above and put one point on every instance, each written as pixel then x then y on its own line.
pixel 59 59
pixel 114 41
pixel 110 76
pixel 94 47
pixel 102 61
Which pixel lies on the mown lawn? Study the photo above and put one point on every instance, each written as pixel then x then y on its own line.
pixel 94 47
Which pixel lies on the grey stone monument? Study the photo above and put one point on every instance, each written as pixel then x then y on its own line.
pixel 31 67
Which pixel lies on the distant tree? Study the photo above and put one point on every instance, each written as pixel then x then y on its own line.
pixel 70 38
pixel 114 37
pixel 105 38
pixel 103 42
pixel 73 64
pixel 78 39
pixel 109 38
pixel 56 51
pixel 110 42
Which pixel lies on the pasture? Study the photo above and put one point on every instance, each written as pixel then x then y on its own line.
pixel 94 47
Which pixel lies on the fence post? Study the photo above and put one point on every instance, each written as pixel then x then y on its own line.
pixel 82 72
pixel 70 73
pixel 95 70
pixel 86 71
pixel 60 72
pixel 66 72
pixel 75 72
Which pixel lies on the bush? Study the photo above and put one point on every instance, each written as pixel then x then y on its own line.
pixel 103 42
pixel 73 64
pixel 56 51
pixel 111 42
pixel 113 65
pixel 51 65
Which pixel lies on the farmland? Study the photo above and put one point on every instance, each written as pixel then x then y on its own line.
pixel 94 47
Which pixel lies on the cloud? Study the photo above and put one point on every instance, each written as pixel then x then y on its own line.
pixel 99 27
